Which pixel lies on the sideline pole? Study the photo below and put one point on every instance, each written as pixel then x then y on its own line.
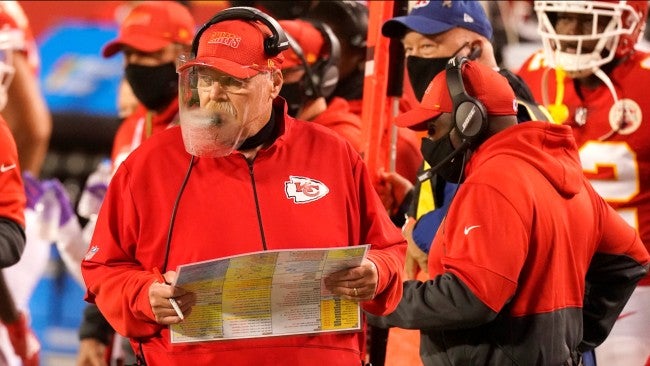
pixel 374 119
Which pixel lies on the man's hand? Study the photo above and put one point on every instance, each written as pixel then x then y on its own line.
pixel 392 190
pixel 357 284
pixel 159 295
pixel 92 352
pixel 416 259
pixel 24 341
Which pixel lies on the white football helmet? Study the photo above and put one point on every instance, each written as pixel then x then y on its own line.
pixel 10 40
pixel 623 23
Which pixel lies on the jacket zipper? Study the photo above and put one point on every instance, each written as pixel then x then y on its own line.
pixel 257 203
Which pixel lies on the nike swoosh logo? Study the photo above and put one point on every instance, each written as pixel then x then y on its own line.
pixel 470 228
pixel 6 168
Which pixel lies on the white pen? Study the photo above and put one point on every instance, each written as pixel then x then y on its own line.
pixel 176 308
pixel 172 301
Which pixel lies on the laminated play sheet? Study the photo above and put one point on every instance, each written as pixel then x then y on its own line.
pixel 268 293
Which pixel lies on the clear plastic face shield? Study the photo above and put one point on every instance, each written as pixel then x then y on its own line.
pixel 217 111
pixel 581 36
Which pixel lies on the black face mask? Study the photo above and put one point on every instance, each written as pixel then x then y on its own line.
pixel 294 95
pixel 422 70
pixel 154 86
pixel 435 152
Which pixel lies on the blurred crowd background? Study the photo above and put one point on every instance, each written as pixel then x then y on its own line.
pixel 80 88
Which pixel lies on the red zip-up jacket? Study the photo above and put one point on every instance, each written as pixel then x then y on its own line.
pixel 230 206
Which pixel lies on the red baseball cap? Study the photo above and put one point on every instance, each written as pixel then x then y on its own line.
pixel 309 39
pixel 481 82
pixel 235 47
pixel 152 25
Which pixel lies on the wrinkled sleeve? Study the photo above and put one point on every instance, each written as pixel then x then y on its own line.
pixel 477 274
pixel 620 262
pixel 388 246
pixel 94 325
pixel 442 303
pixel 12 242
pixel 115 281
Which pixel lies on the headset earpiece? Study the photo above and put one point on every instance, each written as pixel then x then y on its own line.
pixel 326 70
pixel 323 76
pixel 273 44
pixel 311 89
pixel 469 115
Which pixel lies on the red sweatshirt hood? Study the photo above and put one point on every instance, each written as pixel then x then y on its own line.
pixel 550 148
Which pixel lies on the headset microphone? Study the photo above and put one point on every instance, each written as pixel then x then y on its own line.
pixel 469 116
pixel 427 174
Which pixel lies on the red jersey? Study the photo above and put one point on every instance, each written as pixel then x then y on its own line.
pixel 12 192
pixel 138 127
pixel 616 163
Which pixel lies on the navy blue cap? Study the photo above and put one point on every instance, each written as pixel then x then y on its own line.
pixel 433 17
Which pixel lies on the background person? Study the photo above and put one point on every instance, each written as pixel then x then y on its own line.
pixel 310 73
pixel 151 38
pixel 349 22
pixel 28 122
pixel 432 33
pixel 26 112
pixel 592 77
pixel 16 338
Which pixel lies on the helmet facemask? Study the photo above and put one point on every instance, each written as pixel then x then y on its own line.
pixel 594 44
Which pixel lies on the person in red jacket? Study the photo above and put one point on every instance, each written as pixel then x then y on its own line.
pixel 349 22
pixel 593 76
pixel 26 111
pixel 239 175
pixel 151 38
pixel 530 266
pixel 17 336
pixel 310 72
pixel 25 127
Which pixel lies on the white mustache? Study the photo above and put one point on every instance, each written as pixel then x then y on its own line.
pixel 213 117
pixel 220 108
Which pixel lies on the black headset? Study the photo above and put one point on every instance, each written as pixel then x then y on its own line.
pixel 323 76
pixel 273 44
pixel 351 18
pixel 469 115
pixel 358 14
